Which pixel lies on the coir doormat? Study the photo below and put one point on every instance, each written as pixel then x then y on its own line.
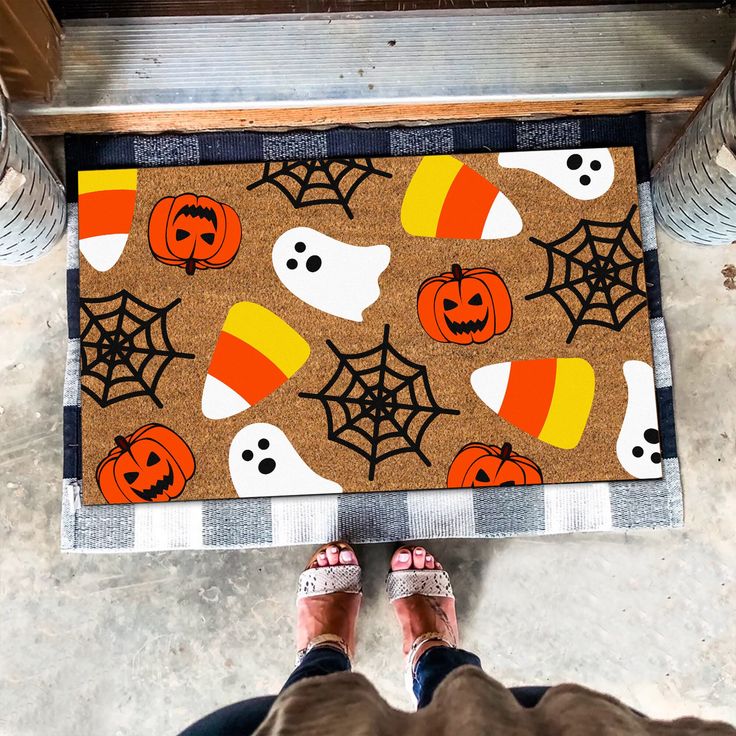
pixel 335 320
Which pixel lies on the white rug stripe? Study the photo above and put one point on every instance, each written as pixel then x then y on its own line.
pixel 72 236
pixel 662 367
pixel 646 217
pixel 72 384
pixel 673 484
pixel 70 503
pixel 303 520
pixel 442 513
pixel 577 507
pixel 168 526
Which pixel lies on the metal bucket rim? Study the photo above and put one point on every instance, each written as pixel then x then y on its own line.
pixel 4 125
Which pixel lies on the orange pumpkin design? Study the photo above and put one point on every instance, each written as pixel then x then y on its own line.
pixel 479 466
pixel 464 306
pixel 152 464
pixel 194 232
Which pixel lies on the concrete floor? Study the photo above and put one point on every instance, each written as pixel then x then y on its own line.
pixel 137 644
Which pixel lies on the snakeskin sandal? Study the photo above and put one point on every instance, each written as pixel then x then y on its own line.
pixel 430 583
pixel 323 581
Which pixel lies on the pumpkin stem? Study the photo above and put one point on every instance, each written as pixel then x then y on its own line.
pixel 506 451
pixel 457 272
pixel 190 268
pixel 122 443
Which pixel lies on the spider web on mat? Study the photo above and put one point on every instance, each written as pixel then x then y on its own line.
pixel 319 181
pixel 593 272
pixel 378 403
pixel 125 348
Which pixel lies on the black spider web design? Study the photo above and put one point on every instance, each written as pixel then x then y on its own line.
pixel 319 181
pixel 593 273
pixel 378 403
pixel 124 348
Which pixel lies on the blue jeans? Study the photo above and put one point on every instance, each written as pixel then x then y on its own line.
pixel 433 666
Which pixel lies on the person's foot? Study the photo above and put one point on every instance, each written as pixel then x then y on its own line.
pixel 420 614
pixel 332 613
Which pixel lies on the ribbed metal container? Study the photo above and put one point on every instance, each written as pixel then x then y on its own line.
pixel 694 193
pixel 32 204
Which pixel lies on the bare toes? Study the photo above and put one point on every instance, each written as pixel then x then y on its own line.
pixel 401 559
pixel 418 556
pixel 322 559
pixel 333 555
pixel 347 557
pixel 429 562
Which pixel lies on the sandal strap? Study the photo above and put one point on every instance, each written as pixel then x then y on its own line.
pixel 403 583
pixel 330 640
pixel 420 641
pixel 330 579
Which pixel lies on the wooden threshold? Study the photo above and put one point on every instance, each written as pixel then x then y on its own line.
pixel 68 9
pixel 290 117
pixel 284 71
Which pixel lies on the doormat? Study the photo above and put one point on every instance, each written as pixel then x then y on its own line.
pixel 364 324
pixel 414 316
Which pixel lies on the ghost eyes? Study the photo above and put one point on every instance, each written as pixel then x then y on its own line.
pixel 265 466
pixel 313 263
pixel 575 161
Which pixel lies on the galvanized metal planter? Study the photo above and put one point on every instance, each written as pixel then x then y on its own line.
pixel 32 203
pixel 694 188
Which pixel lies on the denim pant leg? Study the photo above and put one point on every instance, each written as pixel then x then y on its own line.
pixel 243 718
pixel 238 719
pixel 437 662
pixel 432 668
pixel 320 661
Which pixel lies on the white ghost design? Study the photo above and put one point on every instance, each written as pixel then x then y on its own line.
pixel 264 463
pixel 334 277
pixel 583 173
pixel 638 445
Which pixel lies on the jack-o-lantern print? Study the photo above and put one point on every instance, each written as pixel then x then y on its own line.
pixel 464 306
pixel 151 465
pixel 479 466
pixel 194 232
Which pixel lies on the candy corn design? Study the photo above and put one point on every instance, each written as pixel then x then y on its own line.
pixel 255 353
pixel 447 199
pixel 106 207
pixel 549 399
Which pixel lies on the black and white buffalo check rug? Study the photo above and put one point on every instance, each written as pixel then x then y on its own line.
pixel 366 517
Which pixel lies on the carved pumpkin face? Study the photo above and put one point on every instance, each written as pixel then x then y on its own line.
pixel 152 464
pixel 464 306
pixel 194 232
pixel 478 466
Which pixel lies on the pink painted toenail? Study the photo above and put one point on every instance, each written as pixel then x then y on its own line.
pixel 429 558
pixel 345 556
pixel 333 549
pixel 419 551
pixel 323 555
pixel 404 556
